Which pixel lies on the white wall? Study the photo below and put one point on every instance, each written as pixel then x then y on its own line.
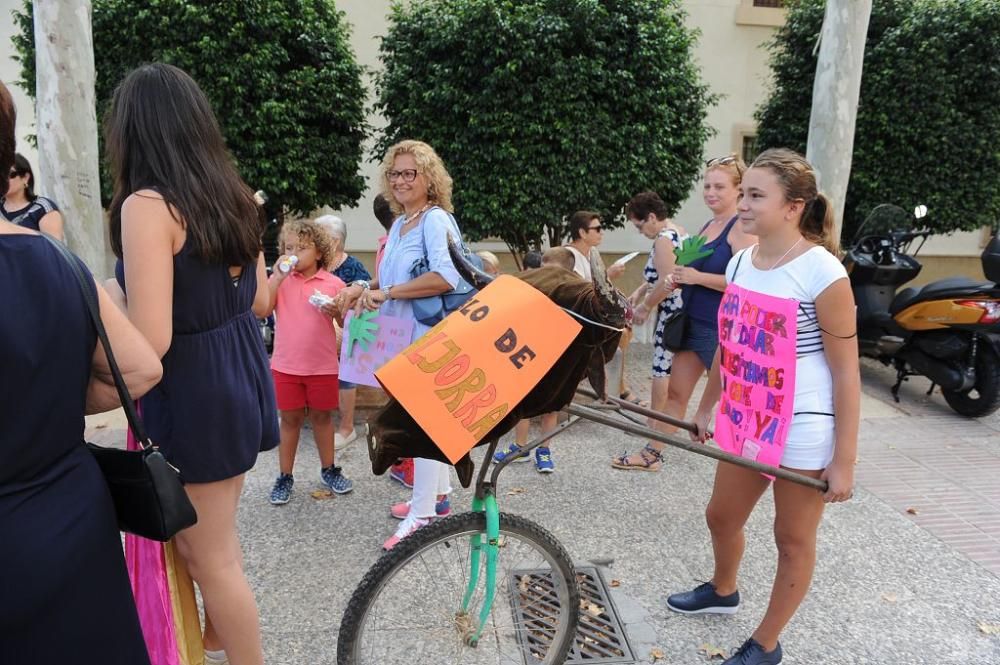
pixel 9 74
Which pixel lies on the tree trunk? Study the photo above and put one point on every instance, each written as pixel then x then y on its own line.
pixel 836 89
pixel 67 124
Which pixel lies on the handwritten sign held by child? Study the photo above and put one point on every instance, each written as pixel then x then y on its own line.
pixel 757 337
pixel 370 341
pixel 463 376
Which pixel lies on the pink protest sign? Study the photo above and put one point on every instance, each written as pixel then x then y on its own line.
pixel 370 342
pixel 757 336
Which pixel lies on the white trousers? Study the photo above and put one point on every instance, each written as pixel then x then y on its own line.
pixel 430 478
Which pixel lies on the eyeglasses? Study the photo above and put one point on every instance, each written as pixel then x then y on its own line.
pixel 406 175
pixel 724 161
pixel 15 174
pixel 597 228
pixel 640 224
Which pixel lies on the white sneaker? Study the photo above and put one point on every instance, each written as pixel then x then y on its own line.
pixel 340 442
pixel 405 530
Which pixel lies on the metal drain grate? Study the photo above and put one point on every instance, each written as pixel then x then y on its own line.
pixel 599 634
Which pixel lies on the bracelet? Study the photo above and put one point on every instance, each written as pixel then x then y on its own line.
pixel 385 291
pixel 362 283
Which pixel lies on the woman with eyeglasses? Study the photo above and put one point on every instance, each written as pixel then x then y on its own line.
pixel 23 207
pixel 418 189
pixel 701 283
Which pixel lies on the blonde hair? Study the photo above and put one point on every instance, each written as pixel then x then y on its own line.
pixel 798 181
pixel 304 229
pixel 439 183
pixel 732 164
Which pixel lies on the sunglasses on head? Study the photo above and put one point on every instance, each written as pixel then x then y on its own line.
pixel 724 161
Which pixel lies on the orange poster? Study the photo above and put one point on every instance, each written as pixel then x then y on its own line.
pixel 463 376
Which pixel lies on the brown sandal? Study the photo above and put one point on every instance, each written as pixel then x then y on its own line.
pixel 649 459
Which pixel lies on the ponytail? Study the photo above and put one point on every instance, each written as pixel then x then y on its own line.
pixel 818 224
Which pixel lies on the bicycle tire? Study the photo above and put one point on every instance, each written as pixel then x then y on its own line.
pixel 425 539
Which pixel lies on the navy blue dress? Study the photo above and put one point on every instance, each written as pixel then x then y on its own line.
pixel 214 409
pixel 64 591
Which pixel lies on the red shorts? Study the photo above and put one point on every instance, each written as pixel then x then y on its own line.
pixel 317 391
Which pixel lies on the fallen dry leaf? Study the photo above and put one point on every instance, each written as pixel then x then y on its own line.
pixel 616 583
pixel 516 490
pixel 989 628
pixel 912 511
pixel 711 651
pixel 890 597
pixel 657 654
pixel 523 583
pixel 321 494
pixel 593 609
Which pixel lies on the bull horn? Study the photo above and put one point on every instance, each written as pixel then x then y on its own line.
pixel 469 272
pixel 614 303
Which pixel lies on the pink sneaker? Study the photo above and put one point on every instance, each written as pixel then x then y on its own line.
pixel 402 473
pixel 442 508
pixel 406 529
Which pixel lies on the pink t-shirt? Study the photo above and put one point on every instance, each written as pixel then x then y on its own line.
pixel 379 252
pixel 305 342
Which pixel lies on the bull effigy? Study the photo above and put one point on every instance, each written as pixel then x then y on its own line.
pixel 393 433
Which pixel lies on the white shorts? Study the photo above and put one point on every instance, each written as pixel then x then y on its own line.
pixel 810 443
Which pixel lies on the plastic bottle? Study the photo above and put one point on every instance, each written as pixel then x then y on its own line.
pixel 288 263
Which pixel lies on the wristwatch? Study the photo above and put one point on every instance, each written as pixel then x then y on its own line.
pixel 385 291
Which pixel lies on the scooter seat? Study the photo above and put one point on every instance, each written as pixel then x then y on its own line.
pixel 956 285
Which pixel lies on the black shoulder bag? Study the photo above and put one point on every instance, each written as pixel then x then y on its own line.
pixel 149 498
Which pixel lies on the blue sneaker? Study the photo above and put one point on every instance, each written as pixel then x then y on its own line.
pixel 282 490
pixel 335 480
pixel 513 450
pixel 752 653
pixel 543 461
pixel 704 600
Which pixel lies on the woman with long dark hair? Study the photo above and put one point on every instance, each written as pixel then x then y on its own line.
pixel 186 230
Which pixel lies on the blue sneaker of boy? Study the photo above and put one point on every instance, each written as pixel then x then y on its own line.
pixel 752 653
pixel 513 451
pixel 543 461
pixel 704 600
pixel 335 480
pixel 282 490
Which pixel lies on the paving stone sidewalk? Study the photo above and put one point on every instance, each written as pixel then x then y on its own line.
pixel 907 572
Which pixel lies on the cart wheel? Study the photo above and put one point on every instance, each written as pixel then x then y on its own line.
pixel 408 607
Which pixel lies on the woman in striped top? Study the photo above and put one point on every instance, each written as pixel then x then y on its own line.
pixel 795 258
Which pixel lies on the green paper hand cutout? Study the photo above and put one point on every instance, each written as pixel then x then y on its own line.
pixel 361 330
pixel 691 250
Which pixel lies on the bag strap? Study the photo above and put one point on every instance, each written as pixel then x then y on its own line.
pixel 89 296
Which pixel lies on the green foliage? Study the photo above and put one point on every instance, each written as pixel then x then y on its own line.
pixel 543 107
pixel 280 75
pixel 928 125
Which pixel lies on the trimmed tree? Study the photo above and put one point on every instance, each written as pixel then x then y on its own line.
pixel 543 107
pixel 280 75
pixel 928 125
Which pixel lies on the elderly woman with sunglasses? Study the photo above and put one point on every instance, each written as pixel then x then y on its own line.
pixel 701 283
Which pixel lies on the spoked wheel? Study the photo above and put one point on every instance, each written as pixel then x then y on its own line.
pixel 408 608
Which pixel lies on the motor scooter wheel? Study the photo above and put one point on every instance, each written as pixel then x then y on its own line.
pixel 984 397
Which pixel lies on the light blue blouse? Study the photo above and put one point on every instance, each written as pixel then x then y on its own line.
pixel 401 252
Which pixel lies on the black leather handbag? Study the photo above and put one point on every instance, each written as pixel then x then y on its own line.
pixel 674 329
pixel 149 498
